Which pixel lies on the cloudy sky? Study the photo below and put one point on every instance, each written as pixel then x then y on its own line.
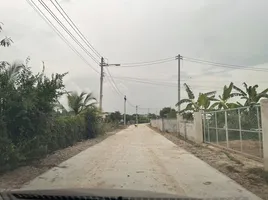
pixel 129 31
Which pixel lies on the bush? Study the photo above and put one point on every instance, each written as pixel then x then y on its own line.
pixel 61 132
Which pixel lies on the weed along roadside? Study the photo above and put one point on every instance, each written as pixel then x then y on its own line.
pixel 14 179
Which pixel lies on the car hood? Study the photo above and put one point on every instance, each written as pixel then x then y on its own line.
pixel 84 193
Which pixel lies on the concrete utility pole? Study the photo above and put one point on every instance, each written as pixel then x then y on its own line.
pixel 103 64
pixel 101 81
pixel 179 81
pixel 136 114
pixel 125 99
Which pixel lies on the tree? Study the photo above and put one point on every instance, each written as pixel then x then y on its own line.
pixel 168 112
pixel 6 42
pixel 79 102
pixel 114 117
pixel 222 102
pixel 202 103
pixel 251 95
pixel 152 116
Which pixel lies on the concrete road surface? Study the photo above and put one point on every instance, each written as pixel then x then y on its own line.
pixel 138 158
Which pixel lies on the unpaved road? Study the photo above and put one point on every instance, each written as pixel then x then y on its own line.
pixel 140 159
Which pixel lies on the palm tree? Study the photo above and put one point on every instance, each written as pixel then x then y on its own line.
pixel 11 71
pixel 78 103
pixel 251 95
pixel 222 102
pixel 202 102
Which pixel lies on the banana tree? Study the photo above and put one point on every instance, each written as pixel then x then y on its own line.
pixel 251 95
pixel 227 94
pixel 202 102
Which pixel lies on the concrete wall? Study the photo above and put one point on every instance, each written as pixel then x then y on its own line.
pixel 264 122
pixel 157 123
pixel 191 130
pixel 186 128
pixel 170 125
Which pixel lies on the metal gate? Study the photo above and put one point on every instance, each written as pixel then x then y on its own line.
pixel 236 129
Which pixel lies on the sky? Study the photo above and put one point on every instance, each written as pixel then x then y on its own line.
pixel 127 31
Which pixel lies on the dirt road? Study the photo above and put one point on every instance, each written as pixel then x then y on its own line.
pixel 140 159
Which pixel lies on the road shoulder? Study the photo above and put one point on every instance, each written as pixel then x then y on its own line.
pixel 244 171
pixel 16 178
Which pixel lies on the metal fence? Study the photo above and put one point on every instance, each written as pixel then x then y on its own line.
pixel 236 129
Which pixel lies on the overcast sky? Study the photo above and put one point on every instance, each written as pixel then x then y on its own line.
pixel 126 31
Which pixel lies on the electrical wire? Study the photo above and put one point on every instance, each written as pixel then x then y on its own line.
pixel 113 83
pixel 114 88
pixel 74 27
pixel 131 104
pixel 217 63
pixel 67 31
pixel 224 65
pixel 146 62
pixel 43 16
pixel 164 84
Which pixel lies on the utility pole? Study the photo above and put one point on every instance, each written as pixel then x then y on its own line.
pixel 136 114
pixel 179 92
pixel 125 99
pixel 103 64
pixel 179 81
pixel 101 82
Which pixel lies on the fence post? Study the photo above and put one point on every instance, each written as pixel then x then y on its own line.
pixel 259 130
pixel 264 123
pixel 216 126
pixel 179 118
pixel 163 126
pixel 240 130
pixel 226 129
pixel 204 125
pixel 198 127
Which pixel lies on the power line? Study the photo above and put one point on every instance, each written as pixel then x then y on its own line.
pixel 112 82
pixel 217 63
pixel 144 62
pixel 43 16
pixel 131 104
pixel 164 84
pixel 67 31
pixel 224 65
pixel 74 27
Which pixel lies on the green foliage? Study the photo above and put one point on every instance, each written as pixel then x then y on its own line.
pixel 204 100
pixel 202 103
pixel 251 95
pixel 79 102
pixel 114 117
pixel 6 42
pixel 168 112
pixel 143 119
pixel 30 129
pixel 33 123
pixel 152 116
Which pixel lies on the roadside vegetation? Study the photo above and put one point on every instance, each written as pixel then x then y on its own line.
pixel 209 102
pixel 33 123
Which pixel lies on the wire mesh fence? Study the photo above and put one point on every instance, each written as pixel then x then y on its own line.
pixel 237 129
